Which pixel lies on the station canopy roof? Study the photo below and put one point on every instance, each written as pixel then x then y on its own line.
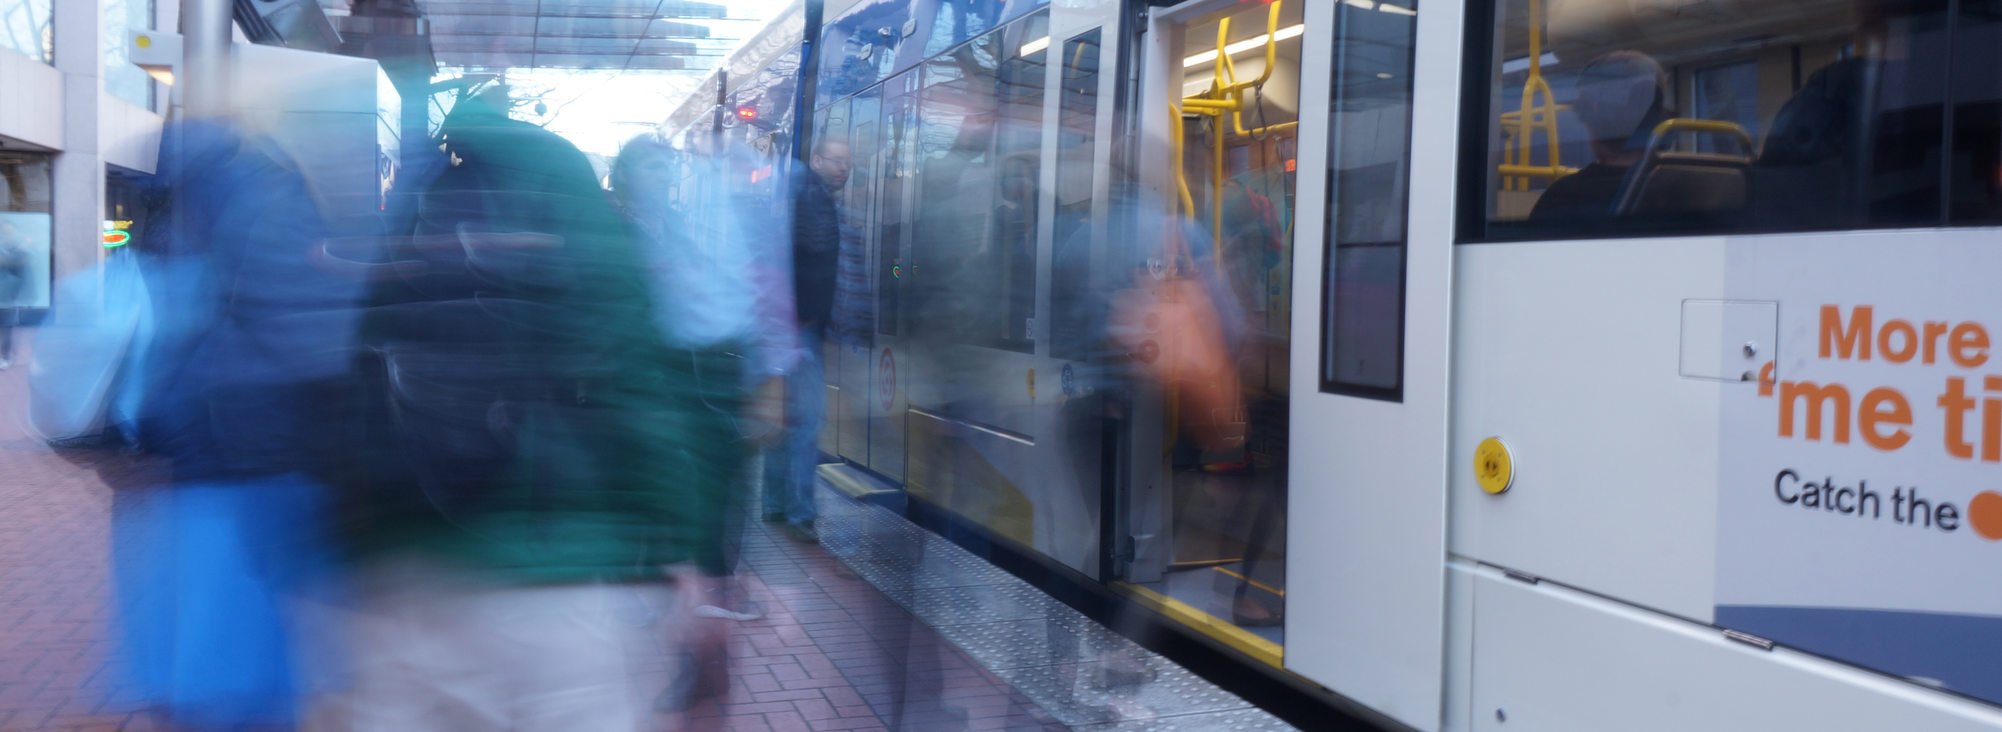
pixel 616 35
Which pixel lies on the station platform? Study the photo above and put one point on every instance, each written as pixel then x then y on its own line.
pixel 883 626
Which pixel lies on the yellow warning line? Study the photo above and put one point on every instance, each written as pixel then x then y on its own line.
pixel 1217 629
pixel 1252 582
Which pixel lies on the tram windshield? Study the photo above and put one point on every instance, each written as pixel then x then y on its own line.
pixel 1678 116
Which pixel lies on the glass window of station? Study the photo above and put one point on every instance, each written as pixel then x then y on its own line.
pixel 121 78
pixel 26 201
pixel 27 27
pixel 1660 117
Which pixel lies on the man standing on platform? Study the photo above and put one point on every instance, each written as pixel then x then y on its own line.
pixel 816 236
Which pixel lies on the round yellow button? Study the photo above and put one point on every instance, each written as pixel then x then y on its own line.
pixel 1494 467
pixel 143 41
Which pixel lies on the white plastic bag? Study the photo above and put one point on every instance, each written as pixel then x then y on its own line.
pixel 80 352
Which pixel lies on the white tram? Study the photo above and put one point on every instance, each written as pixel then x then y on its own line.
pixel 1605 364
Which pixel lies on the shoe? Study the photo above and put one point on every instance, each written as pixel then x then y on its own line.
pixel 802 533
pixel 751 611
pixel 1249 614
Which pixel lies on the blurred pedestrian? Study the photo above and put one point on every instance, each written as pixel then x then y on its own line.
pixel 545 476
pixel 13 279
pixel 718 282
pixel 242 340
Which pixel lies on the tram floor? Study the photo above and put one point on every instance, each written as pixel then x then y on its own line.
pixel 1074 669
pixel 1212 591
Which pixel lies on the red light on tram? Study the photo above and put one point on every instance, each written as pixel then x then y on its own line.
pixel 1292 165
pixel 747 113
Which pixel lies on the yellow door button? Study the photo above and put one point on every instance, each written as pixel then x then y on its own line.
pixel 1494 467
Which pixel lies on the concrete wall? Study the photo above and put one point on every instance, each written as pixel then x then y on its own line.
pixel 31 111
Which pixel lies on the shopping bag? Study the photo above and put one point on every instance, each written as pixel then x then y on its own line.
pixel 209 577
pixel 1171 326
pixel 81 352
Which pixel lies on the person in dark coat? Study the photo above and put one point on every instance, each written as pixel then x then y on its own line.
pixel 246 339
pixel 816 253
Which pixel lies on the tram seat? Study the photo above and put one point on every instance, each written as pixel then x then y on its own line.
pixel 1687 183
pixel 1677 182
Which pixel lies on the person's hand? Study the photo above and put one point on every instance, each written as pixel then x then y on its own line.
pixel 764 412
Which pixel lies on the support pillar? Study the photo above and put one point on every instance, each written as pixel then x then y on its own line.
pixel 77 220
pixel 205 47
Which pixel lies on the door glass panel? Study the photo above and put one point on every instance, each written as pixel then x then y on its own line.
pixel 1371 122
pixel 1072 326
pixel 979 187
pixel 899 143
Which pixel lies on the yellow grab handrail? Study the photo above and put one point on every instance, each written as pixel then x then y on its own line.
pixel 1538 114
pixel 1176 166
pixel 1685 124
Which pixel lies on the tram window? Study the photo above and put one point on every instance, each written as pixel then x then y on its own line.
pixel 980 170
pixel 1370 162
pixel 1976 180
pixel 1071 325
pixel 1674 116
pixel 857 221
pixel 1728 93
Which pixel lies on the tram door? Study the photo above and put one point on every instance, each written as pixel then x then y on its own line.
pixel 978 187
pixel 1206 505
pixel 861 124
pixel 983 436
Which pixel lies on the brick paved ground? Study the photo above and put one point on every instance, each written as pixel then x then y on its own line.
pixel 832 653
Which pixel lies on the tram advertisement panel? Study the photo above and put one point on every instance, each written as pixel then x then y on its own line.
pixel 1861 500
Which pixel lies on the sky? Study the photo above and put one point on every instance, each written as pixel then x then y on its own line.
pixel 599 110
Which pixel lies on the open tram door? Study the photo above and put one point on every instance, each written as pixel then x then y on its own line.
pixel 1203 510
pixel 1344 382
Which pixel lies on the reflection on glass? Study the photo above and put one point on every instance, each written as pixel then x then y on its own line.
pixel 892 268
pixel 980 147
pixel 121 78
pixel 1729 93
pixel 1760 117
pixel 1072 328
pixel 1371 161
pixel 26 186
pixel 26 27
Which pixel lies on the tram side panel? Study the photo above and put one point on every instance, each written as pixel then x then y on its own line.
pixel 1777 435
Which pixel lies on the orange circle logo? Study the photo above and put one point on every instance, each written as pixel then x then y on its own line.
pixel 1985 514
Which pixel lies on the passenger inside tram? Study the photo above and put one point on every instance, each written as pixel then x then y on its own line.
pixel 1810 115
pixel 1854 139
pixel 1621 97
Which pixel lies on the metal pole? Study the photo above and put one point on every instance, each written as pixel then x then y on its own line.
pixel 205 37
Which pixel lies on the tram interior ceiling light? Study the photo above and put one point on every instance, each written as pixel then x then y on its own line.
pixel 1387 7
pixel 1036 46
pixel 1236 49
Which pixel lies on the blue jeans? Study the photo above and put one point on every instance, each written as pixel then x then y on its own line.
pixel 790 465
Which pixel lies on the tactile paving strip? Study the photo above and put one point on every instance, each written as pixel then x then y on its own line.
pixel 1242 720
pixel 1049 652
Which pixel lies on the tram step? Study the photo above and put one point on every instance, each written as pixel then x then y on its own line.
pixel 856 482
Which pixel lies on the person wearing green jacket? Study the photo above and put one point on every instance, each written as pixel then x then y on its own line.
pixel 541 473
